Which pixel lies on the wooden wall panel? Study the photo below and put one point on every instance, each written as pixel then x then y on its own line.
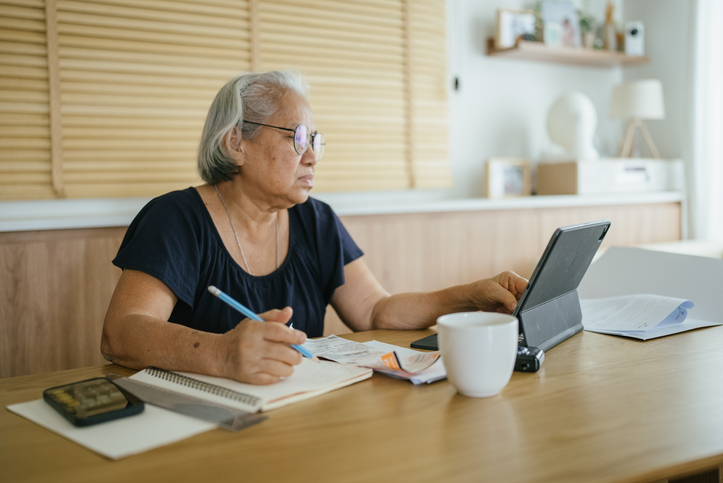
pixel 423 252
pixel 55 285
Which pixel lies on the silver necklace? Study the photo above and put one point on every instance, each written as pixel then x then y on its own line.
pixel 236 234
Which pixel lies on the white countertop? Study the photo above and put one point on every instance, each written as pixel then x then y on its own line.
pixel 96 213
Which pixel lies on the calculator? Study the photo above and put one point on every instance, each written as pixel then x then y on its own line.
pixel 92 401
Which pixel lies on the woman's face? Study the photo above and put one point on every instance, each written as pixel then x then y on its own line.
pixel 271 169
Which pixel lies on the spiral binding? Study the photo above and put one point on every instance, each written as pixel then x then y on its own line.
pixel 203 386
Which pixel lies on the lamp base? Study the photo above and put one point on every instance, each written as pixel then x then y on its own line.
pixel 627 149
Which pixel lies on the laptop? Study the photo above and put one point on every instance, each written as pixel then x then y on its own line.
pixel 549 308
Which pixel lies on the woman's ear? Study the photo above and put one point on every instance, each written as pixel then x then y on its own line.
pixel 232 143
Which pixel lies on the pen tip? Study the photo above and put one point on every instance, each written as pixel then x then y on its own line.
pixel 213 290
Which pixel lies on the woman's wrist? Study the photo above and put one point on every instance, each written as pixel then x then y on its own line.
pixel 459 298
pixel 216 355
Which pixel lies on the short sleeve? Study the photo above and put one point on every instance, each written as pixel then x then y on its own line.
pixel 349 249
pixel 164 241
pixel 334 245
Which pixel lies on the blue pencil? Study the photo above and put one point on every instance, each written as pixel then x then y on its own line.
pixel 248 313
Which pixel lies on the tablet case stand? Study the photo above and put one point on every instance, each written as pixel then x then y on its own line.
pixel 549 310
pixel 552 322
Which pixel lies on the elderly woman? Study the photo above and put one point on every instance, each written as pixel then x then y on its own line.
pixel 253 231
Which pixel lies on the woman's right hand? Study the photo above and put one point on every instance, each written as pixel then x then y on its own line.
pixel 259 352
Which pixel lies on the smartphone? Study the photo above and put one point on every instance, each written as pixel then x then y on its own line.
pixel 92 401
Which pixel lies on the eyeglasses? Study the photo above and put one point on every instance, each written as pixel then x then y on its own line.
pixel 302 139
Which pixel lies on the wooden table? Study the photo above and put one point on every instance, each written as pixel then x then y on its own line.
pixel 601 409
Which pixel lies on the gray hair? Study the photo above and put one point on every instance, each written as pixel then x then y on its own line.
pixel 253 97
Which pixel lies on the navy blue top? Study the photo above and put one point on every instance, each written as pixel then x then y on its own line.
pixel 173 238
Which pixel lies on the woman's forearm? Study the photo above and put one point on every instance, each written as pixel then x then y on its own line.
pixel 420 310
pixel 139 341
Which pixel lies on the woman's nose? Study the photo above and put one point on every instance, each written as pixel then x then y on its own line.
pixel 309 157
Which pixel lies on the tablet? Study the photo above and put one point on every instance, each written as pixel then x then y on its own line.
pixel 549 309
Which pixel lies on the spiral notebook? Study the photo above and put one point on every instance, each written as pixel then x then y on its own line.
pixel 310 379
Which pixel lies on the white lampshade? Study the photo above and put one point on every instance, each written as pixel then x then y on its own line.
pixel 641 99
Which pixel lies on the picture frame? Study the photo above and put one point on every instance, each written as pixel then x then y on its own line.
pixel 561 24
pixel 512 24
pixel 507 178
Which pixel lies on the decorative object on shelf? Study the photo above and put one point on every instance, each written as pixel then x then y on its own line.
pixel 561 25
pixel 513 24
pixel 636 101
pixel 609 36
pixel 635 38
pixel 507 177
pixel 598 43
pixel 587 29
pixel 571 123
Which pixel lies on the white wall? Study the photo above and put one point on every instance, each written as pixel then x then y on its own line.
pixel 501 107
pixel 667 42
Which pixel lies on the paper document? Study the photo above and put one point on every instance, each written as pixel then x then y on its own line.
pixel 385 358
pixel 680 293
pixel 433 373
pixel 123 437
pixel 341 350
pixel 633 315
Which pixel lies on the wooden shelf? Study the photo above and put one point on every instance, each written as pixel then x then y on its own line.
pixel 564 55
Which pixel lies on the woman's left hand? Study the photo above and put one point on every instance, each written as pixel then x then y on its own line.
pixel 499 293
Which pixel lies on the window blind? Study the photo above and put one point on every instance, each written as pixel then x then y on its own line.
pixel 352 54
pixel 428 94
pixel 25 162
pixel 135 79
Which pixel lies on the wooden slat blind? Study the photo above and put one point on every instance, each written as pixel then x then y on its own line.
pixel 352 54
pixel 136 78
pixel 430 136
pixel 25 163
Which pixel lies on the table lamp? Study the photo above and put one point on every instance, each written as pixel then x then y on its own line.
pixel 636 101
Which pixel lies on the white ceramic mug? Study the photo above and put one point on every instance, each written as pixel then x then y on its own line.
pixel 479 351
